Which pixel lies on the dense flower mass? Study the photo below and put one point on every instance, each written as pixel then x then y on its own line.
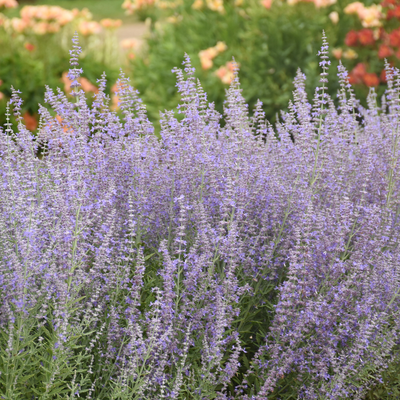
pixel 129 263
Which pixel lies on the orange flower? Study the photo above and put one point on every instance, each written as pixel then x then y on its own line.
pixel 351 38
pixel 366 37
pixel 18 25
pixel 211 53
pixel 354 8
pixel 206 56
pixel 30 121
pixel 226 72
pixel 216 5
pixel 40 28
pixel 371 16
pixel 388 3
pixel 357 74
pixel 53 27
pixel 197 5
pixel 337 53
pixel 220 47
pixel 129 44
pixel 350 54
pixel 383 76
pixel 371 79
pixel 87 28
pixel 266 3
pixel 384 51
pixel 334 17
pixel 87 86
pixel 231 66
pixel 63 125
pixel 8 3
pixel 323 3
pixel 29 46
pixel 206 63
pixel 394 38
pixel 114 97
pixel 393 13
pixel 109 23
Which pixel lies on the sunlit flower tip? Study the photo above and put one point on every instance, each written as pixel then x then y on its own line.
pixel 8 3
pixel 292 2
pixel 334 17
pixel 221 47
pixel 238 3
pixel 350 54
pixel 29 46
pixel 337 53
pixel 266 4
pixel 2 96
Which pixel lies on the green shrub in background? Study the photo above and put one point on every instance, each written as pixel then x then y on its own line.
pixel 268 43
pixel 35 53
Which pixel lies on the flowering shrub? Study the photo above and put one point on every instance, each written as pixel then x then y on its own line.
pixel 262 36
pixel 8 3
pixel 375 41
pixel 149 8
pixel 39 41
pixel 238 260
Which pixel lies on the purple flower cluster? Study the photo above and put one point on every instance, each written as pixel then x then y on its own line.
pixel 130 254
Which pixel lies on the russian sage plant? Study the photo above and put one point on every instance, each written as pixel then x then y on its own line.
pixel 137 267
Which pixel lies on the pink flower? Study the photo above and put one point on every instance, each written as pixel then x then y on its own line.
pixel 266 3
pixel 8 3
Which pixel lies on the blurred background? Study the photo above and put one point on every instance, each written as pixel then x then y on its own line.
pixel 270 40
